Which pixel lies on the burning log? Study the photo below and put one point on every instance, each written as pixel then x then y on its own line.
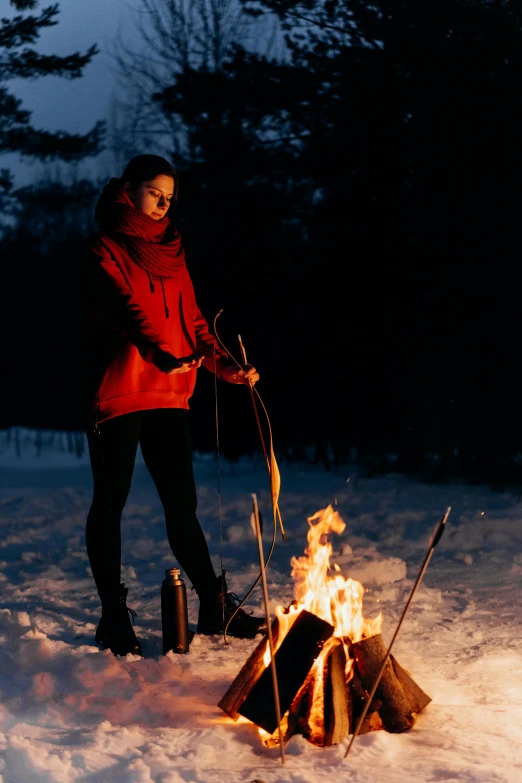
pixel 321 709
pixel 400 697
pixel 337 698
pixel 247 677
pixel 319 699
pixel 294 659
pixel 327 707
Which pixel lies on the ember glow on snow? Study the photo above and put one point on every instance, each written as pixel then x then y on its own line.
pixel 69 711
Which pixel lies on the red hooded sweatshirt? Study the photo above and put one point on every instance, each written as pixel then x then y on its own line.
pixel 136 317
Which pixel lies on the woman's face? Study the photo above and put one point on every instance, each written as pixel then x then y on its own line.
pixel 152 197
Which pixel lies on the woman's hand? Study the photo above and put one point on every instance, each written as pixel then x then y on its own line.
pixel 171 365
pixel 246 374
pixel 187 363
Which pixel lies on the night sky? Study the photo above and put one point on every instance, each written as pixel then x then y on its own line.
pixel 75 105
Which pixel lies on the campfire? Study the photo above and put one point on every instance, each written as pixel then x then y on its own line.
pixel 327 656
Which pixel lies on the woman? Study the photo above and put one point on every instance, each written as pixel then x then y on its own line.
pixel 149 339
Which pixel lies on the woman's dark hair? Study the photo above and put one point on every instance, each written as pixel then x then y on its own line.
pixel 143 168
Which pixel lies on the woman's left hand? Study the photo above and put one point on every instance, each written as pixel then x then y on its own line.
pixel 247 374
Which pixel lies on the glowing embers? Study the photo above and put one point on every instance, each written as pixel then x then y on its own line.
pixel 327 657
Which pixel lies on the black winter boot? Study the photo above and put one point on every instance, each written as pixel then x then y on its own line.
pixel 210 620
pixel 115 630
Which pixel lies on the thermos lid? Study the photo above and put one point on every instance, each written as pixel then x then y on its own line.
pixel 174 573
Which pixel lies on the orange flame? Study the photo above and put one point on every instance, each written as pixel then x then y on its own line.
pixel 323 591
pixel 329 595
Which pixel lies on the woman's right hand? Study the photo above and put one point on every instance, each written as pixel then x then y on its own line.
pixel 171 365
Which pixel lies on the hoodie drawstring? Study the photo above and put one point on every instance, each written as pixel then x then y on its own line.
pixel 163 290
pixel 164 297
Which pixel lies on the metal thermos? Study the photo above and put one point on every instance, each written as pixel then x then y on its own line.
pixel 174 617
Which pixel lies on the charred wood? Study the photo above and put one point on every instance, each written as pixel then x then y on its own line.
pixel 294 659
pixel 359 697
pixel 337 708
pixel 400 702
pixel 247 677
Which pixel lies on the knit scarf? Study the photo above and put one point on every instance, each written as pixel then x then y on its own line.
pixel 154 245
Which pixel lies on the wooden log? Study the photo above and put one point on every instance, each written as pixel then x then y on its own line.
pixel 315 707
pixel 331 720
pixel 417 698
pixel 336 705
pixel 397 710
pixel 342 704
pixel 294 659
pixel 359 697
pixel 296 718
pixel 247 677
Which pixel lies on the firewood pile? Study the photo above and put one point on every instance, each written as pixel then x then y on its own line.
pixel 324 682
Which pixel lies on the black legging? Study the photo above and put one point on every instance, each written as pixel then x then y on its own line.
pixel 165 443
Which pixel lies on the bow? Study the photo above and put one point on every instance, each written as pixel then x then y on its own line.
pixel 271 464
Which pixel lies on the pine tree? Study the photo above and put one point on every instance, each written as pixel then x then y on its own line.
pixel 44 233
pixel 43 271
pixel 410 132
pixel 19 59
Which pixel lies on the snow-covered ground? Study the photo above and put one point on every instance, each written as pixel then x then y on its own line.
pixel 69 712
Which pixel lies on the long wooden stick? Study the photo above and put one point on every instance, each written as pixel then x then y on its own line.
pixel 275 685
pixel 436 539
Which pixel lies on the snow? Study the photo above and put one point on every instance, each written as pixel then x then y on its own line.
pixel 70 712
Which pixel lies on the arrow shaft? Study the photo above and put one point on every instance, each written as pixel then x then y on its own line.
pixel 425 564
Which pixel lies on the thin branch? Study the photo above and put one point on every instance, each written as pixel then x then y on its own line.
pixel 327 26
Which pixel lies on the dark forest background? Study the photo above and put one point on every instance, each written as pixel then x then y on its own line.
pixel 351 202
